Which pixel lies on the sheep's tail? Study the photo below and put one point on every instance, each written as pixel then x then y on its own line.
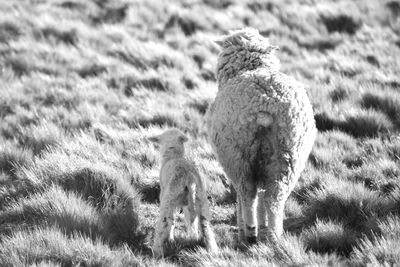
pixel 264 120
pixel 263 153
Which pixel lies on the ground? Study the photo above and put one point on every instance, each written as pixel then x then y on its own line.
pixel 83 83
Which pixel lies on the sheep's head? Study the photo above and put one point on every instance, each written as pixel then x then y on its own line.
pixel 247 38
pixel 171 142
pixel 245 49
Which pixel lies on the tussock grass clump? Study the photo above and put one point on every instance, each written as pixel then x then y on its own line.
pixel 341 23
pixel 41 137
pixel 339 94
pixel 329 236
pixel 12 157
pixel 69 37
pixel 91 70
pixel 109 13
pixel 159 120
pixel 388 103
pixel 367 123
pixel 147 55
pixel 381 249
pixel 320 43
pixel 187 24
pixel 18 65
pixel 8 31
pixel 290 251
pixel 200 105
pixel 53 206
pixel 51 244
pixel 349 203
pixel 94 176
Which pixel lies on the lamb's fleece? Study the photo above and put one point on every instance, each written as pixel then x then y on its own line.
pixel 262 128
pixel 181 187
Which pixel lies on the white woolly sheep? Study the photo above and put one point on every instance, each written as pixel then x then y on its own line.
pixel 262 129
pixel 181 187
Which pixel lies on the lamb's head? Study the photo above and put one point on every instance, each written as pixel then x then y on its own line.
pixel 243 50
pixel 171 143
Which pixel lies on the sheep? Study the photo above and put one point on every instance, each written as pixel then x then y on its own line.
pixel 181 187
pixel 262 129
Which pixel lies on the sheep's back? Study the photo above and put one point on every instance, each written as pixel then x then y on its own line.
pixel 233 127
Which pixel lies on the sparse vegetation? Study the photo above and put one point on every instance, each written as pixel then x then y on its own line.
pixel 84 82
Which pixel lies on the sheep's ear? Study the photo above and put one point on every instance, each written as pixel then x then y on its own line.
pixel 220 43
pixel 183 138
pixel 154 139
pixel 237 39
pixel 273 48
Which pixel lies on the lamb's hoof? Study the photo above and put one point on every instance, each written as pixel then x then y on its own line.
pixel 213 248
pixel 251 240
pixel 158 253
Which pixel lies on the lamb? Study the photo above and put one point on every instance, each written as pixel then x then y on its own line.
pixel 262 128
pixel 181 187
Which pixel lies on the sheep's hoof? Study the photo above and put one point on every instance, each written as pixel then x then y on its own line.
pixel 251 239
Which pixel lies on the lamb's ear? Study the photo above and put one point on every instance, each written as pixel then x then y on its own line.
pixel 183 138
pixel 154 139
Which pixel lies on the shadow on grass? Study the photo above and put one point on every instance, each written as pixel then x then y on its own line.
pixel 341 23
pixel 388 104
pixel 8 32
pixel 69 37
pixel 368 124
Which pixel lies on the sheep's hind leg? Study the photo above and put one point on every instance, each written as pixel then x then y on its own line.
pixel 249 206
pixel 239 217
pixel 275 208
pixel 261 215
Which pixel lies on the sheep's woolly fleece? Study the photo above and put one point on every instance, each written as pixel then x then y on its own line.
pixel 261 123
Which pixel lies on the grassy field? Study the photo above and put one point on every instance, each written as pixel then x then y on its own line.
pixel 83 83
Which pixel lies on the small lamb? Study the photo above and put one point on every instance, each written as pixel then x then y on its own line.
pixel 181 187
pixel 262 128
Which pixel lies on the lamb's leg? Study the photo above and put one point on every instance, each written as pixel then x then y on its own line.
pixel 261 214
pixel 249 206
pixel 239 217
pixel 204 214
pixel 191 220
pixel 164 225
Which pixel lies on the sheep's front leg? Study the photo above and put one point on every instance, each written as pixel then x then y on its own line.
pixel 249 205
pixel 203 208
pixel 164 227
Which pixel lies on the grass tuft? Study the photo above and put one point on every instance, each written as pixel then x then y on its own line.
pixel 8 32
pixel 51 244
pixel 388 103
pixel 341 23
pixel 69 37
pixel 328 237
